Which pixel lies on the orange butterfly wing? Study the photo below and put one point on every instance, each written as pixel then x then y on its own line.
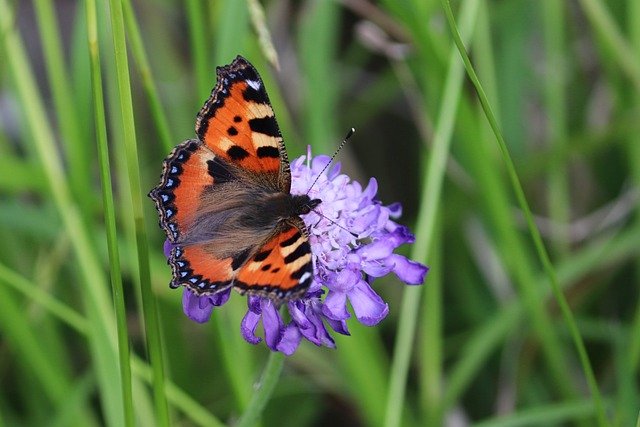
pixel 282 267
pixel 238 138
pixel 238 123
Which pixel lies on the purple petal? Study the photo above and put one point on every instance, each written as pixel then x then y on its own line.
pixel 402 235
pixel 395 210
pixel 378 268
pixel 318 163
pixel 290 340
pixel 315 330
pixel 220 298
pixel 408 271
pixel 340 326
pixel 334 171
pixel 297 315
pixel 343 281
pixel 372 188
pixel 335 306
pixel 196 308
pixel 272 323
pixel 378 249
pixel 250 321
pixel 365 219
pixel 368 307
pixel 166 248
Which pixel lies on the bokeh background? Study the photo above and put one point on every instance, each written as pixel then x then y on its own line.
pixel 484 342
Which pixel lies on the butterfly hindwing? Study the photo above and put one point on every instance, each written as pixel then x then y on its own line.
pixel 238 123
pixel 281 268
pixel 194 267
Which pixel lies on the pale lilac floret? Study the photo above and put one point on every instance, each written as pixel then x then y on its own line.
pixel 353 238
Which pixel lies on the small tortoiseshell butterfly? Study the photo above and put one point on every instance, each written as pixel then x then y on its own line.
pixel 224 198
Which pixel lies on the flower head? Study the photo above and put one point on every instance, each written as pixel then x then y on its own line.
pixel 353 238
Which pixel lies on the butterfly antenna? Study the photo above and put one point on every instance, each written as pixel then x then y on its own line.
pixel 344 141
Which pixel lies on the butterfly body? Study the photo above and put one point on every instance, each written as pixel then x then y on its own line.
pixel 224 199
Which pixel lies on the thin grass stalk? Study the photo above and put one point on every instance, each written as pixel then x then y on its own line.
pixel 634 167
pixel 65 106
pixel 44 299
pixel 554 24
pixel 432 336
pixel 124 353
pixel 495 199
pixel 74 320
pixel 259 23
pixel 139 54
pixel 179 398
pixel 628 395
pixel 197 40
pixel 485 339
pixel 535 234
pixel 228 18
pixel 515 253
pixel 149 307
pixel 51 382
pixel 317 37
pixel 544 415
pixel 614 41
pixel 429 205
pixel 102 338
pixel 362 360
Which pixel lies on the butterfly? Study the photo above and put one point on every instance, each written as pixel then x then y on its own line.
pixel 224 198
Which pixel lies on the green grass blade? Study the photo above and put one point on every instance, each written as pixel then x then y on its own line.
pixel 555 99
pixel 425 227
pixel 102 338
pixel 110 216
pixel 535 234
pixel 76 148
pixel 197 39
pixel 149 307
pixel 139 55
pixel 545 415
pixel 606 28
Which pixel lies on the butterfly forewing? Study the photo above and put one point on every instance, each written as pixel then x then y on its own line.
pixel 238 124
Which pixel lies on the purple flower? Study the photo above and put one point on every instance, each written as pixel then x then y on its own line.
pixel 353 238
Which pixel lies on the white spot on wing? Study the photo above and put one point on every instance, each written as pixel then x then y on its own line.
pixel 254 84
pixel 304 277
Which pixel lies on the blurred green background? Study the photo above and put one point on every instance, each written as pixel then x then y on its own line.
pixel 485 341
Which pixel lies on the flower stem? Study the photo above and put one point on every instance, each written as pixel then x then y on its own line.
pixel 264 389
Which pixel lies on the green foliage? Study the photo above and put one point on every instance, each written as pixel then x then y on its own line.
pixel 523 320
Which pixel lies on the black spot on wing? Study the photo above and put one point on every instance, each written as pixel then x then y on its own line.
pixel 237 153
pixel 258 96
pixel 265 267
pixel 232 131
pixel 237 119
pixel 291 240
pixel 239 259
pixel 265 125
pixel 261 256
pixel 302 249
pixel 219 170
pixel 268 151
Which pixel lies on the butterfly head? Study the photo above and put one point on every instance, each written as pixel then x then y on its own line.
pixel 303 204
